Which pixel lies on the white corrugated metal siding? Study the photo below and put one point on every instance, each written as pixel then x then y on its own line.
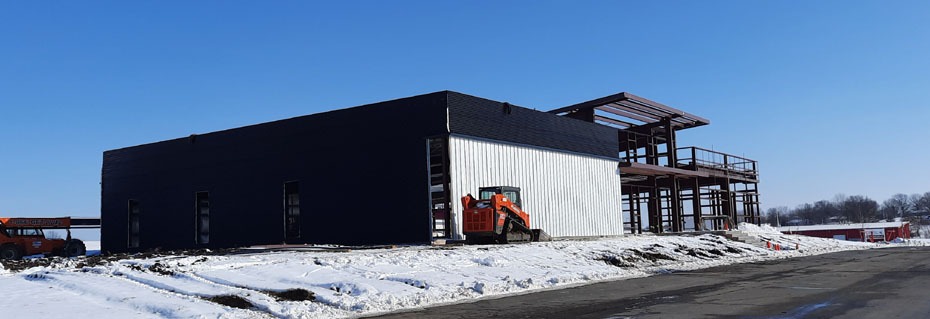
pixel 566 194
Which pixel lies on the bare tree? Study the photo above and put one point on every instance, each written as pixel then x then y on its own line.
pixel 806 213
pixel 885 212
pixel 898 205
pixel 824 210
pixel 921 203
pixel 777 216
pixel 859 209
pixel 771 217
pixel 854 209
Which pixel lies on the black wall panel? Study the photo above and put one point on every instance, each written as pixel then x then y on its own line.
pixel 473 116
pixel 362 174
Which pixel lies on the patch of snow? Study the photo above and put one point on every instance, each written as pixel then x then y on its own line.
pixel 93 247
pixel 916 242
pixel 754 229
pixel 368 282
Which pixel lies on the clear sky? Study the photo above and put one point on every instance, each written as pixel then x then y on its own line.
pixel 830 96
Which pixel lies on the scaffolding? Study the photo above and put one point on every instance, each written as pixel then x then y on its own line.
pixel 666 188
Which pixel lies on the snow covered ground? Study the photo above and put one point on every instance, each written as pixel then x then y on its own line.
pixel 367 282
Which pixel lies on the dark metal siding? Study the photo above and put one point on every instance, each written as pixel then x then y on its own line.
pixel 362 174
pixel 474 116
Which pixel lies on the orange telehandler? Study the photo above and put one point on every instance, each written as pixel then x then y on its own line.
pixel 496 217
pixel 25 237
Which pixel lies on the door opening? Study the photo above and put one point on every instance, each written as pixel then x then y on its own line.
pixel 440 199
pixel 291 212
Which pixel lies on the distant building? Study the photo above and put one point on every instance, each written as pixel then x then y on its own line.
pixel 886 231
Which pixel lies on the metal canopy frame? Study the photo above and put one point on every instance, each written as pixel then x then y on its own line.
pixel 624 110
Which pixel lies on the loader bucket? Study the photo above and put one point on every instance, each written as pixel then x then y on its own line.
pixel 540 235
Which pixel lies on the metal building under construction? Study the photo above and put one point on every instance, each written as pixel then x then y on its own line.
pixel 394 172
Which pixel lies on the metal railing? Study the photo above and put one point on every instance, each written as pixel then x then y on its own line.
pixel 696 157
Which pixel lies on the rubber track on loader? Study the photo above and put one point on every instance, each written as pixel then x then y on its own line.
pixel 518 233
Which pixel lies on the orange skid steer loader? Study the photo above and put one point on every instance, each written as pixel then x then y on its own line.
pixel 25 237
pixel 496 217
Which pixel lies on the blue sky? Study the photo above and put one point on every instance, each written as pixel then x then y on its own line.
pixel 830 96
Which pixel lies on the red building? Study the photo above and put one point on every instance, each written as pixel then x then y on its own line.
pixel 887 231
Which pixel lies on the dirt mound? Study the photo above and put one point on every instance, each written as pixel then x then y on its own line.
pixel 231 301
pixel 295 294
pixel 103 259
pixel 652 256
pixel 632 257
pixel 19 265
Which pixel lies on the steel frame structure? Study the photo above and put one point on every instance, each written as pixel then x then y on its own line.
pixel 675 188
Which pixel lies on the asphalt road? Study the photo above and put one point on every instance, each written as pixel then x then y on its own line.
pixel 877 283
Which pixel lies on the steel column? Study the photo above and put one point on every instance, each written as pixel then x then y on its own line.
pixel 696 204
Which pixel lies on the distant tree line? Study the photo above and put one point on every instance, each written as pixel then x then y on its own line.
pixel 850 209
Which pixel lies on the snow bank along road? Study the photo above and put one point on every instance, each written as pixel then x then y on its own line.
pixel 880 283
pixel 366 282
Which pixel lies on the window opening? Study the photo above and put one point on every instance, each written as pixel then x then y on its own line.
pixel 134 213
pixel 202 217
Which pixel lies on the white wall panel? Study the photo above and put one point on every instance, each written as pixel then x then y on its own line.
pixel 566 194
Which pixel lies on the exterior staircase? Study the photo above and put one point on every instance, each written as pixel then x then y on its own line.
pixel 740 236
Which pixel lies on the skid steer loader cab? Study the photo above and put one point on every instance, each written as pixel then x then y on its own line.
pixel 512 193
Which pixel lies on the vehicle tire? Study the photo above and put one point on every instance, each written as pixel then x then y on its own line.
pixel 74 248
pixel 10 252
